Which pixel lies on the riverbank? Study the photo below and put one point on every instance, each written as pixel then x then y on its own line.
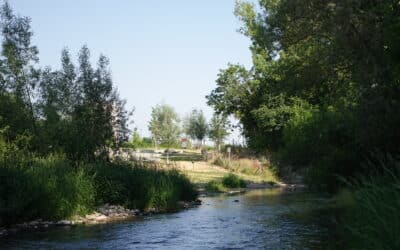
pixel 52 188
pixel 107 213
pixel 113 213
pixel 102 215
pixel 257 219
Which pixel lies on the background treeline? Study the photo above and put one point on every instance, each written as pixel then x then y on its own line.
pixel 167 129
pixel 323 93
pixel 75 110
pixel 56 130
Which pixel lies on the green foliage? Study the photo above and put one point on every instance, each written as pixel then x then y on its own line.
pixel 75 110
pixel 215 186
pixel 140 187
pixel 233 181
pixel 228 181
pixel 53 188
pixel 374 222
pixel 164 125
pixel 47 188
pixel 323 88
pixel 55 128
pixel 218 129
pixel 138 142
pixel 195 125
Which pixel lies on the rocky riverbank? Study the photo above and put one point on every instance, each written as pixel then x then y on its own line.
pixel 103 214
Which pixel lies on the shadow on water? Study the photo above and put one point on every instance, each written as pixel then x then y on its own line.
pixel 270 219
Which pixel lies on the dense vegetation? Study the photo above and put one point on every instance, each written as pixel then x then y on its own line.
pixel 373 221
pixel 323 91
pixel 52 188
pixel 322 99
pixel 57 129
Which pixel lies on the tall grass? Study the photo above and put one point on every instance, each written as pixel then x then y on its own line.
pixel 47 188
pixel 374 221
pixel 139 186
pixel 53 188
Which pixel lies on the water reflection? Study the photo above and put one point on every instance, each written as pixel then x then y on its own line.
pixel 261 219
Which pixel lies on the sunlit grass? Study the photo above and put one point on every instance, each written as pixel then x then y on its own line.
pixel 204 172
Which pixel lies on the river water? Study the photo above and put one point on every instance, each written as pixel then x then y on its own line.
pixel 266 219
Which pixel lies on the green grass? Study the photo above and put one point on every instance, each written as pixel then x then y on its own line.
pixel 141 187
pixel 53 188
pixel 202 176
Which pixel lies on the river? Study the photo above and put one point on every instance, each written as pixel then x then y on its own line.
pixel 266 219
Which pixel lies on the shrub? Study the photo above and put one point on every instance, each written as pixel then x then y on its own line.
pixel 233 181
pixel 215 186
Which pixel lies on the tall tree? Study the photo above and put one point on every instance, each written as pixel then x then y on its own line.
pixel 323 86
pixel 18 74
pixel 120 120
pixel 93 117
pixel 164 125
pixel 218 129
pixel 195 125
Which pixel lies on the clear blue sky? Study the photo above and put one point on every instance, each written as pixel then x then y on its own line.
pixel 160 51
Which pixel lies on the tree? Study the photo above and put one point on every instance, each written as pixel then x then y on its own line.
pixel 323 87
pixel 74 110
pixel 164 125
pixel 195 125
pixel 93 118
pixel 218 129
pixel 137 140
pixel 18 74
pixel 120 120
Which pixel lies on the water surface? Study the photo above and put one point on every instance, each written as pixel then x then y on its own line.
pixel 266 219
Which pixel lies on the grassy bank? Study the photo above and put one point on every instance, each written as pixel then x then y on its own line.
pixel 202 172
pixel 53 188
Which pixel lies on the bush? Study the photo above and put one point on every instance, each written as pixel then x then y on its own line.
pixel 215 186
pixel 233 181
